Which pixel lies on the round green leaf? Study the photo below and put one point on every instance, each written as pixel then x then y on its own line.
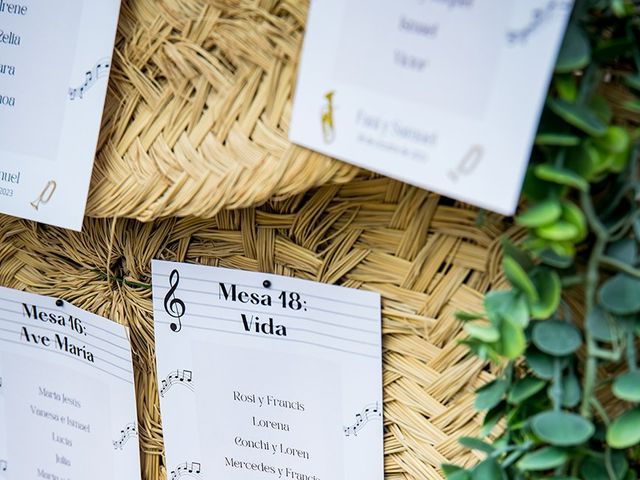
pixel 490 395
pixel 575 51
pixel 454 472
pixel 557 139
pixel 563 248
pixel 601 325
pixel 562 429
pixel 519 278
pixel 571 390
pixel 627 386
pixel 540 214
pixel 561 176
pixel 492 418
pixel 488 469
pixel 593 467
pixel 486 333
pixel 473 443
pixel 624 431
pixel 525 388
pixel 509 304
pixel 567 87
pixel 459 475
pixel 558 231
pixel 615 140
pixel 620 160
pixel 556 338
pixel 579 116
pixel 624 250
pixel 550 257
pixel 621 294
pixel 543 459
pixel 547 284
pixel 517 253
pixel 512 340
pixel 586 161
pixel 574 215
pixel 540 363
pixel 468 316
pixel 537 190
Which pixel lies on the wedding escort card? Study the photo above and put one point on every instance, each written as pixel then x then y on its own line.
pixel 54 66
pixel 267 377
pixel 443 94
pixel 67 401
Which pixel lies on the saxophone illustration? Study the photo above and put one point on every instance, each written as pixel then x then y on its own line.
pixel 328 127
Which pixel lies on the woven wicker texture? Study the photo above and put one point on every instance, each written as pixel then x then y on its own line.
pixel 427 257
pixel 198 107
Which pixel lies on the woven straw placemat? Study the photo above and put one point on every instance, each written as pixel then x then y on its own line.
pixel 426 256
pixel 197 110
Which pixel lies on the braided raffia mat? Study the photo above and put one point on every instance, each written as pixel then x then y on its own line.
pixel 198 108
pixel 427 257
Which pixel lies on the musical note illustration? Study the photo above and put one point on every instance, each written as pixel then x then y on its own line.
pixel 172 304
pixel 177 377
pixel 129 431
pixel 99 70
pixel 468 163
pixel 45 194
pixel 187 469
pixel 539 16
pixel 367 414
pixel 328 128
pixel 3 466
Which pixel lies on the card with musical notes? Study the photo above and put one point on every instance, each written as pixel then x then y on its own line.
pixel 267 377
pixel 442 94
pixel 67 399
pixel 55 59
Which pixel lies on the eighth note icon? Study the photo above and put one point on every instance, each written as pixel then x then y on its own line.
pixel 174 306
pixel 183 378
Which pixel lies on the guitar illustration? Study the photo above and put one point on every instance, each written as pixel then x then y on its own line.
pixel 177 377
pixel 99 70
pixel 367 414
pixel 187 469
pixel 129 431
pixel 328 128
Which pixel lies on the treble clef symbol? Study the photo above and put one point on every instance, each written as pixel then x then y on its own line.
pixel 173 305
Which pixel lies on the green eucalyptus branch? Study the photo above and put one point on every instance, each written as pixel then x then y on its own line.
pixel 591 283
pixel 582 218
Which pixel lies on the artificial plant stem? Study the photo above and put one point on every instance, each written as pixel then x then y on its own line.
pixel 556 386
pixel 621 266
pixel 572 280
pixel 632 362
pixel 591 283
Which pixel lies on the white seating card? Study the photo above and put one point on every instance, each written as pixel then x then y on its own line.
pixel 54 66
pixel 442 94
pixel 67 401
pixel 267 377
